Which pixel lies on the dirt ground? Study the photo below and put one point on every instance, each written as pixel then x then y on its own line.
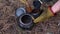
pixel 8 23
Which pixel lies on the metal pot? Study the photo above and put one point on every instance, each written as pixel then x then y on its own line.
pixel 36 13
pixel 36 4
pixel 25 21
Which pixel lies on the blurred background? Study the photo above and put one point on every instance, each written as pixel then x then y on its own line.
pixel 8 22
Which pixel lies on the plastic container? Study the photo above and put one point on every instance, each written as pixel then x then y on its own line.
pixel 20 11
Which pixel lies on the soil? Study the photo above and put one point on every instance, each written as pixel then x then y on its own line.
pixel 8 22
